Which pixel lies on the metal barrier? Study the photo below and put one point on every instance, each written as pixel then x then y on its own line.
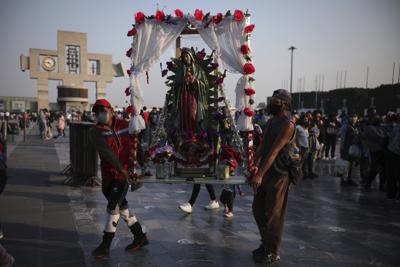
pixel 83 157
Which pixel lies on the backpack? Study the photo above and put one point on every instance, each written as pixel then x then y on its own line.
pixel 288 161
pixel 331 128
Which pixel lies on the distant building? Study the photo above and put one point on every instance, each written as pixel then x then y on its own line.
pixel 18 103
pixel 73 65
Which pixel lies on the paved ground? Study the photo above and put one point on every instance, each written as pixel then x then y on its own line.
pixel 49 224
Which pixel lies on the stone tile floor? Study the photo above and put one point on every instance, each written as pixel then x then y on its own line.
pixel 326 224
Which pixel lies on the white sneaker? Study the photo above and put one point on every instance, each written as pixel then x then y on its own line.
pixel 212 205
pixel 186 207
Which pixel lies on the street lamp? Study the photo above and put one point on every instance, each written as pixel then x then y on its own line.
pixel 291 66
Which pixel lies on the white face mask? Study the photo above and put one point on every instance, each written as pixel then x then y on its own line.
pixel 103 117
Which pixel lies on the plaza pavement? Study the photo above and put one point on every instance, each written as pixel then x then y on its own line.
pixel 47 223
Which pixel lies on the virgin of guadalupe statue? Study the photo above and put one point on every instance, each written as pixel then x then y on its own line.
pixel 190 89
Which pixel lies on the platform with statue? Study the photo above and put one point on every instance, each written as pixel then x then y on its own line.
pixel 197 139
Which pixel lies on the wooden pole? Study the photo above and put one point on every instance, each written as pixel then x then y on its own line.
pixel 178 47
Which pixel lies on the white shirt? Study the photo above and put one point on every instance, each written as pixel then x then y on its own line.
pixel 301 136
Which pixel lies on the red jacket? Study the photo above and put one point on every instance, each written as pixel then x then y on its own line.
pixel 119 142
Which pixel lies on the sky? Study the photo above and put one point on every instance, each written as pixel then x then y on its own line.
pixel 331 36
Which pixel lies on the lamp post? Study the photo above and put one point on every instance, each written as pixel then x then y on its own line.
pixel 291 67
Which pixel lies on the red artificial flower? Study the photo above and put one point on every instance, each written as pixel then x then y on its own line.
pixel 129 109
pixel 233 163
pixel 238 15
pixel 129 52
pixel 249 28
pixel 248 112
pixel 201 54
pixel 218 18
pixel 198 14
pixel 160 16
pixel 249 91
pixel 139 17
pixel 170 65
pixel 129 72
pixel 131 32
pixel 214 65
pixel 229 153
pixel 178 13
pixel 127 91
pixel 219 80
pixel 248 68
pixel 245 49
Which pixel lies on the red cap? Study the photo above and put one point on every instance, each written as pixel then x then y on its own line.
pixel 101 103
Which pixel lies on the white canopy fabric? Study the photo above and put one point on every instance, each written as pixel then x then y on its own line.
pixel 149 43
pixel 226 38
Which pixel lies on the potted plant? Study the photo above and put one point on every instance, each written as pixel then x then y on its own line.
pixel 160 155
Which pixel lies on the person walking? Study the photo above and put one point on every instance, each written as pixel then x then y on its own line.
pixel 375 138
pixel 349 138
pixel 110 137
pixel 188 206
pixel 330 137
pixel 302 142
pixel 392 162
pixel 61 125
pixel 43 123
pixel 270 186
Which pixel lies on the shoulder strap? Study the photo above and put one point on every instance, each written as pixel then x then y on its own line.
pixel 293 138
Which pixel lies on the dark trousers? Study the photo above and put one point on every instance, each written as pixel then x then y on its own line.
pixel 310 162
pixel 196 191
pixel 304 160
pixel 115 192
pixel 3 179
pixel 377 166
pixel 392 165
pixel 227 197
pixel 269 209
pixel 330 144
pixel 364 167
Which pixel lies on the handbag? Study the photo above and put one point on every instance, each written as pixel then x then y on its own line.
pixel 289 161
pixel 355 151
pixel 341 166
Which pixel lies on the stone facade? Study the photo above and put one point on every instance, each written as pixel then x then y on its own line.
pixel 72 64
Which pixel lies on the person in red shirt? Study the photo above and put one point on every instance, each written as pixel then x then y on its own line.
pixel 110 137
pixel 145 115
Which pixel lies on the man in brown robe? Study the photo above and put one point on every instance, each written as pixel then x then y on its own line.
pixel 270 187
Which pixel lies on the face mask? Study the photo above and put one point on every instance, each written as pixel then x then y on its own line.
pixel 275 109
pixel 103 117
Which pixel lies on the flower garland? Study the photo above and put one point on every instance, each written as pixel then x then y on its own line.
pixel 206 20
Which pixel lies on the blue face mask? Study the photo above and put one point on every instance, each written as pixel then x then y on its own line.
pixel 103 117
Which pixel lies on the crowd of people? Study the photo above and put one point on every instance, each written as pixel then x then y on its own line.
pixel 370 142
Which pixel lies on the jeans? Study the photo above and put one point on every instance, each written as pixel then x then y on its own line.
pixel 392 163
pixel 377 166
pixel 330 144
pixel 196 191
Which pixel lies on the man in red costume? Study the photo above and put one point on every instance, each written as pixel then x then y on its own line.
pixel 110 137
